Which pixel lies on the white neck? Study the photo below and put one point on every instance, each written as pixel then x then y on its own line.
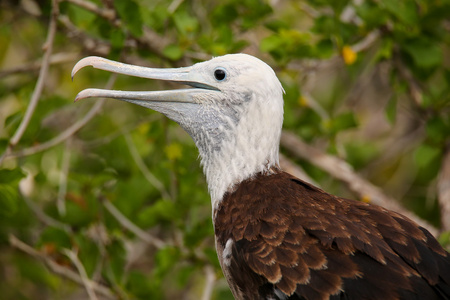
pixel 245 147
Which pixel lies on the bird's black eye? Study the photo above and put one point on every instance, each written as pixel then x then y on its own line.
pixel 220 74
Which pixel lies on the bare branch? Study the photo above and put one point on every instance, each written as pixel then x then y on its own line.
pixel 414 89
pixel 69 131
pixel 87 283
pixel 57 58
pixel 341 170
pixel 294 169
pixel 92 45
pixel 48 46
pixel 444 190
pixel 58 269
pixel 210 281
pixel 143 167
pixel 49 221
pixel 106 13
pixel 125 222
pixel 153 41
pixel 65 164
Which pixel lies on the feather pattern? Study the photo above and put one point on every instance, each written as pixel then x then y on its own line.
pixel 295 241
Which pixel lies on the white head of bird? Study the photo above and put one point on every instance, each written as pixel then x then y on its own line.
pixel 234 112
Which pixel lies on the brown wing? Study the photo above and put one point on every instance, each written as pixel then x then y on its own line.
pixel 294 241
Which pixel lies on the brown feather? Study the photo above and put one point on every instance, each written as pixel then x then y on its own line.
pixel 297 240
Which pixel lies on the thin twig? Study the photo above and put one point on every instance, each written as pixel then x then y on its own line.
pixel 343 171
pixel 65 164
pixel 48 46
pixel 62 136
pixel 58 269
pixel 210 281
pixel 87 283
pixel 125 222
pixel 92 45
pixel 143 167
pixel 44 218
pixel 152 40
pixel 69 131
pixel 57 58
pixel 106 13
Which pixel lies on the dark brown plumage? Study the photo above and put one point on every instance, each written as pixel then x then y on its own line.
pixel 291 240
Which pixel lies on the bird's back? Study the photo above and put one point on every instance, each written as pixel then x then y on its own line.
pixel 281 238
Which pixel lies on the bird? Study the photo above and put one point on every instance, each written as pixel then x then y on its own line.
pixel 278 237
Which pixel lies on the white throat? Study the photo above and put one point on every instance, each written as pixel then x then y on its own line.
pixel 245 148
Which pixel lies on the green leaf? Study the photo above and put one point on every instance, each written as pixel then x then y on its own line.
pixel 341 122
pixel 437 130
pixel 173 52
pixel 160 211
pixel 391 110
pixel 142 286
pixel 9 200
pixel 185 23
pixel 425 53
pixel 270 43
pixel 11 176
pixel 425 155
pixel 117 38
pixel 130 13
pixel 165 259
pixel 405 11
pixel 56 236
pixel 444 239
pixel 184 275
pixel 36 272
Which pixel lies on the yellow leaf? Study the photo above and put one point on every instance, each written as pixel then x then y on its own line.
pixel 173 151
pixel 349 55
pixel 302 101
pixel 366 199
pixel 143 128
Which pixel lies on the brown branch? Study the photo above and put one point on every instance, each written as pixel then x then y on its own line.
pixel 150 39
pixel 341 170
pixel 444 190
pixel 69 131
pixel 48 46
pixel 57 58
pixel 143 167
pixel 92 45
pixel 125 222
pixel 87 283
pixel 289 166
pixel 106 13
pixel 58 269
pixel 210 281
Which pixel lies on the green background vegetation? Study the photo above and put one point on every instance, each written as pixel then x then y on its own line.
pixel 111 195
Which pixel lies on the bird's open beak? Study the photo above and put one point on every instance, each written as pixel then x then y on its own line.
pixel 181 75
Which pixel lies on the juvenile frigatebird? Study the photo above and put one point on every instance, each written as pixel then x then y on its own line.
pixel 278 237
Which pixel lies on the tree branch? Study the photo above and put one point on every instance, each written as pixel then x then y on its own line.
pixel 145 171
pixel 48 46
pixel 293 169
pixel 210 281
pixel 58 269
pixel 87 283
pixel 57 58
pixel 69 131
pixel 125 222
pixel 341 170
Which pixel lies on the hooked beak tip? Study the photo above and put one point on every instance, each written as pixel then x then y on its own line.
pixel 77 98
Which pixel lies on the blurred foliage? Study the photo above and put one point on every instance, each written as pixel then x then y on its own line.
pixel 366 80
